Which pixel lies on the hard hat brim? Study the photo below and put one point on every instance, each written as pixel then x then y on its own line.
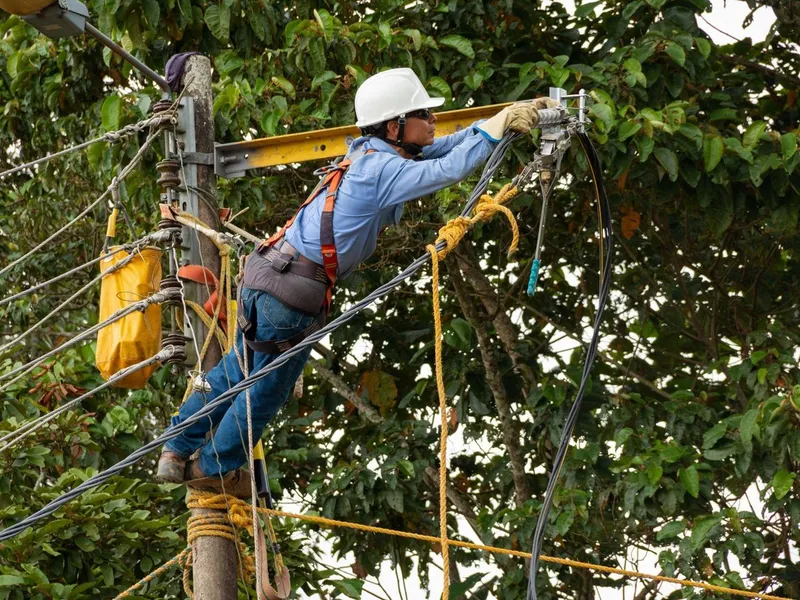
pixel 431 103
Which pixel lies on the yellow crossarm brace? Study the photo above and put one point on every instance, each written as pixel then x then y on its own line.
pixel 232 160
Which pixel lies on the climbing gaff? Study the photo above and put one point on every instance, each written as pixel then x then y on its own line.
pixel 553 145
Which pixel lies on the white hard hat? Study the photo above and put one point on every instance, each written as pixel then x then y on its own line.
pixel 390 94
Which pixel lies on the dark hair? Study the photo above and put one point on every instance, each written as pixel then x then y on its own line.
pixel 379 130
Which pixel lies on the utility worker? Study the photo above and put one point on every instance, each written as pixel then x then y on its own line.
pixel 285 292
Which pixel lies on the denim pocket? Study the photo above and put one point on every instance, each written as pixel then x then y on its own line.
pixel 282 317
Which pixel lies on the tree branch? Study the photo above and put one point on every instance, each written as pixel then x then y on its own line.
pixel 603 356
pixel 506 331
pixel 364 408
pixel 495 380
pixel 754 66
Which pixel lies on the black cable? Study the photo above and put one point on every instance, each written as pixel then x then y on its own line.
pixel 572 417
pixel 491 166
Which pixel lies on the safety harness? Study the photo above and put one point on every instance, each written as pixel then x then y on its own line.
pixel 332 176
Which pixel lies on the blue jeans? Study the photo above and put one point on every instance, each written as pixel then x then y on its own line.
pixel 228 448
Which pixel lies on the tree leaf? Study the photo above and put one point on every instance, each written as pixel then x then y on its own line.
pixel 586 9
pixel 322 78
pixel 604 113
pixel 415 37
pixel 670 530
pixel 458 590
pixel 381 389
pixel 719 214
pixel 750 138
pixel 218 19
pixel 676 53
pixel 627 129
pixel 788 145
pixel 151 12
pixel 325 21
pixel 462 329
pixel 110 112
pixel 459 43
pixel 406 466
pixel 9 580
pixel 630 223
pixel 704 46
pixel 748 425
pixel 394 498
pixel 631 8
pixel 713 435
pixel 441 87
pixel 654 473
pixel 701 529
pixel 668 160
pixel 285 85
pixel 712 151
pixel 352 588
pixel 691 480
pixel 782 482
pixel 724 114
pixel 693 133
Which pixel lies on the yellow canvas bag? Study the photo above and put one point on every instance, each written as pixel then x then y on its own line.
pixel 137 336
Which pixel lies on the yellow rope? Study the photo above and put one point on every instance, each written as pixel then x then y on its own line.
pixel 179 559
pixel 239 512
pixel 452 233
pixel 212 323
pixel 437 319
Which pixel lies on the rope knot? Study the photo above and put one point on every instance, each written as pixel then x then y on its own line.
pixel 454 230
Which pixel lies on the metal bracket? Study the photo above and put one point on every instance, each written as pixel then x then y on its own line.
pixel 198 158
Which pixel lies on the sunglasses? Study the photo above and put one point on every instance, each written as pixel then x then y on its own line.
pixel 423 114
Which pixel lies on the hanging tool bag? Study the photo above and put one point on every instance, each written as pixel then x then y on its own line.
pixel 137 336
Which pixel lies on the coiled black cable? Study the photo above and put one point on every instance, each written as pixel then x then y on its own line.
pixel 606 242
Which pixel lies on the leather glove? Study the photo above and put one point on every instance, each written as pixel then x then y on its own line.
pixel 520 116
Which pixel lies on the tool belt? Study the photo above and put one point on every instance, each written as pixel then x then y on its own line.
pixel 291 278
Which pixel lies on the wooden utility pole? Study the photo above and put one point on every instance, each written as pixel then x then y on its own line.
pixel 196 134
pixel 215 559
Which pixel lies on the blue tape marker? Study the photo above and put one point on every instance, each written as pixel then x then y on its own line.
pixel 534 277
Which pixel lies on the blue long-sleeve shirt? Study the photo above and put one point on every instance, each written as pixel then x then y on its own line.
pixel 375 188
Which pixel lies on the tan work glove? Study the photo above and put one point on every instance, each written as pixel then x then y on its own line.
pixel 520 116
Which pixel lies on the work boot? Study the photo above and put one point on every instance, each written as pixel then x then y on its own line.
pixel 234 483
pixel 171 467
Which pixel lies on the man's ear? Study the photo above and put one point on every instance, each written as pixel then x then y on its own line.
pixel 392 128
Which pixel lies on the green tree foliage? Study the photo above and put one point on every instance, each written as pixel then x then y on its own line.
pixel 695 400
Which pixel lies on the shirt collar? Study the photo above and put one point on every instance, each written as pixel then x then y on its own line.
pixel 367 142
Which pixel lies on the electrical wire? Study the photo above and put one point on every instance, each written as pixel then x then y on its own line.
pixel 111 137
pixel 606 242
pixel 44 284
pixel 115 182
pixel 163 355
pixel 115 267
pixel 141 305
pixel 491 166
